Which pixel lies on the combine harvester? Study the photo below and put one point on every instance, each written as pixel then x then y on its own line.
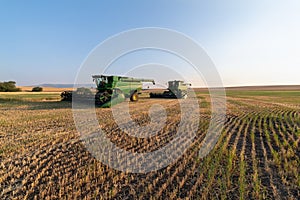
pixel 176 90
pixel 112 90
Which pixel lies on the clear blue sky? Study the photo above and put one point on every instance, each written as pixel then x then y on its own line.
pixel 251 42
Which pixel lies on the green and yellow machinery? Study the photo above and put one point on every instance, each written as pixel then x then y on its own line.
pixel 113 89
pixel 176 90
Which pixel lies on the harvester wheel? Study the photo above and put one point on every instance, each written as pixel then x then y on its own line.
pixel 102 98
pixel 134 97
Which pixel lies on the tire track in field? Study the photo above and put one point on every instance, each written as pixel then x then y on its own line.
pixel 236 149
pixel 263 174
pixel 248 159
pixel 233 174
pixel 277 190
pixel 204 184
pixel 274 160
pixel 189 183
pixel 243 190
pixel 181 178
pixel 256 188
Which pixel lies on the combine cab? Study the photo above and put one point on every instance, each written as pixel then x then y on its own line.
pixel 114 89
pixel 176 90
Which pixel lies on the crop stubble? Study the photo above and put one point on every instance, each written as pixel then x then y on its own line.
pixel 257 155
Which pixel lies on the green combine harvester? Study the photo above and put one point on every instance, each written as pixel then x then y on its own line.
pixel 115 89
pixel 112 90
pixel 176 90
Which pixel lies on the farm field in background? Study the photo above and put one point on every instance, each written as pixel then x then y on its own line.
pixel 257 155
pixel 29 96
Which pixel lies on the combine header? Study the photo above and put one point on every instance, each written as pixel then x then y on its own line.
pixel 66 95
pixel 176 90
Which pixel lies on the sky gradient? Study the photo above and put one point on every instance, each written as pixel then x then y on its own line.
pixel 251 42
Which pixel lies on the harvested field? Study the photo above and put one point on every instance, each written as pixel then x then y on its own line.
pixel 45 89
pixel 256 157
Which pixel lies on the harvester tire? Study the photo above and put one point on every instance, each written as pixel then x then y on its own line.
pixel 102 98
pixel 134 97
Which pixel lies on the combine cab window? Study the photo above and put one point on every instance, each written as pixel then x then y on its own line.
pixel 101 81
pixel 97 81
pixel 173 85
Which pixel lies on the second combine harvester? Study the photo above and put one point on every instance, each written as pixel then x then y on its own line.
pixel 176 90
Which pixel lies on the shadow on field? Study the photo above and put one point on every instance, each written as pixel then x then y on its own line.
pixel 33 105
pixel 49 105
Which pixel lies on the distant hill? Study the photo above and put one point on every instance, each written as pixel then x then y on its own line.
pixel 61 85
pixel 64 85
pixel 45 89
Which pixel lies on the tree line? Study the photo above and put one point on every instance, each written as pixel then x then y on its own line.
pixel 9 86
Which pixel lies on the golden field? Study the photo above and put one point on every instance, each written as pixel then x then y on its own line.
pixel 256 157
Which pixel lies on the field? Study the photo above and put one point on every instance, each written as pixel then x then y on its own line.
pixel 256 157
pixel 45 89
